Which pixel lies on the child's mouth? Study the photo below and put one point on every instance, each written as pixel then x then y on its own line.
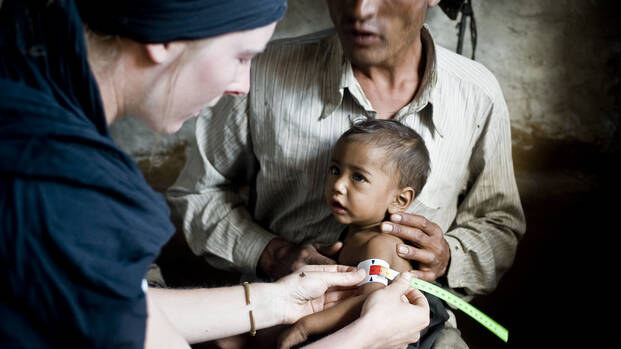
pixel 337 207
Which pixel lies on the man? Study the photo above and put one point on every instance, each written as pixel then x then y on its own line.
pixel 463 227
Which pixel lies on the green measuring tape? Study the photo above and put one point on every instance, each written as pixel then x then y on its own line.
pixel 446 296
pixel 462 305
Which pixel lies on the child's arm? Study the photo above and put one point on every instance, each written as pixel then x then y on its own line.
pixel 324 321
pixel 382 246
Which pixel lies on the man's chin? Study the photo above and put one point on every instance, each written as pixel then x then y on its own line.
pixel 364 57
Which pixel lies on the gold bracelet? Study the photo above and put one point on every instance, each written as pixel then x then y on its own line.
pixel 253 331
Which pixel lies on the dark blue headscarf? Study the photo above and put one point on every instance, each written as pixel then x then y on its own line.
pixel 160 21
pixel 79 226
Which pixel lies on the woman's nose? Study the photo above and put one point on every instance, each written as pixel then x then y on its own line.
pixel 241 84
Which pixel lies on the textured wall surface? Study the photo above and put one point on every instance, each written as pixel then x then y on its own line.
pixel 557 62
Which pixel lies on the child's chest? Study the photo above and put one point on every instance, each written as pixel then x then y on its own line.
pixel 353 245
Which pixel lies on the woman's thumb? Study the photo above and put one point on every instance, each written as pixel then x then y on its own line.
pixel 401 284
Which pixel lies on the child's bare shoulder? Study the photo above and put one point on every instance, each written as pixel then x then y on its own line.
pixel 383 245
pixel 371 244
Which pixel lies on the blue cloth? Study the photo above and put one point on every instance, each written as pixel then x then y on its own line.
pixel 160 21
pixel 79 226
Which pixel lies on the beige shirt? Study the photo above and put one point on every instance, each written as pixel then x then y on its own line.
pixel 277 141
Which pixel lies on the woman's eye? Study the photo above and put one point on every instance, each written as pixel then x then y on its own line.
pixel 358 177
pixel 334 170
pixel 244 60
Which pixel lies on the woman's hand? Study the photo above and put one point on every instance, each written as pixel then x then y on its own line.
pixel 390 318
pixel 316 287
pixel 407 309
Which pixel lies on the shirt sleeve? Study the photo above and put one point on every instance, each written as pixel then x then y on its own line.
pixel 489 222
pixel 208 197
pixel 75 260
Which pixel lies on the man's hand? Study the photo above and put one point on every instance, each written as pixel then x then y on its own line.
pixel 430 249
pixel 281 258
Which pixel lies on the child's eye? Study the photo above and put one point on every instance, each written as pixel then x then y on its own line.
pixel 358 177
pixel 334 170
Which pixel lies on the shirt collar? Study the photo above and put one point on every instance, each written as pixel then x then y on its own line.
pixel 340 76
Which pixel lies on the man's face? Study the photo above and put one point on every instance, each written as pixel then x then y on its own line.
pixel 373 32
pixel 360 186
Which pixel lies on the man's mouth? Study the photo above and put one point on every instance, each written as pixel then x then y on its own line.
pixel 363 36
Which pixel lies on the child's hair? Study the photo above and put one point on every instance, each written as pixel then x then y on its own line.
pixel 405 148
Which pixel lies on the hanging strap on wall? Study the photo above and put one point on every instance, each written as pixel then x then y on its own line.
pixel 452 8
pixel 466 12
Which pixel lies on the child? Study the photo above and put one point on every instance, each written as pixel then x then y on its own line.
pixel 376 165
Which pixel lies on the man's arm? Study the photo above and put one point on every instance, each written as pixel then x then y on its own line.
pixel 214 216
pixel 206 197
pixel 490 220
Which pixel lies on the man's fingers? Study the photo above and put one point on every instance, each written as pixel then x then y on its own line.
pixel 406 233
pixel 415 221
pixel 319 259
pixel 415 254
pixel 329 249
pixel 412 220
pixel 428 276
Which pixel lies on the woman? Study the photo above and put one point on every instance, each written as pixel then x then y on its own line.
pixel 79 224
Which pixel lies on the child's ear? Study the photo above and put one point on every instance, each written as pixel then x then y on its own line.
pixel 403 199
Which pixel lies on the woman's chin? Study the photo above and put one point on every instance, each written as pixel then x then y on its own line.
pixel 171 128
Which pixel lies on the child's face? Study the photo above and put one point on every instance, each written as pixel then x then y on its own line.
pixel 360 186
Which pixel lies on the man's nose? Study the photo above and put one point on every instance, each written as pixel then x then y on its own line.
pixel 364 9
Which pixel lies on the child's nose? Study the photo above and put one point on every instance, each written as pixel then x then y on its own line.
pixel 340 185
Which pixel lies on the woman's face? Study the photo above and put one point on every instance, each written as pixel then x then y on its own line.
pixel 206 72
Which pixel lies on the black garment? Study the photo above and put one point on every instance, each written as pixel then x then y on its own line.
pixel 437 318
pixel 79 226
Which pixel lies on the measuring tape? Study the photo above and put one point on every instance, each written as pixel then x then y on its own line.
pixel 376 269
